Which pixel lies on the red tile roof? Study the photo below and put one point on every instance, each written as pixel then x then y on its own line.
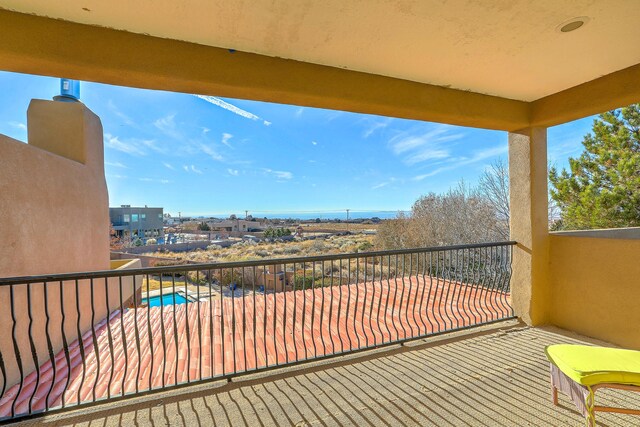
pixel 327 320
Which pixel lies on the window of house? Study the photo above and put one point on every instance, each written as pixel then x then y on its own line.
pixel 143 216
pixel 126 218
pixel 159 216
pixel 134 217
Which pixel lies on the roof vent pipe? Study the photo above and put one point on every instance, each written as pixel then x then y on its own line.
pixel 69 91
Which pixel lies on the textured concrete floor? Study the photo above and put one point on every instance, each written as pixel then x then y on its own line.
pixel 497 376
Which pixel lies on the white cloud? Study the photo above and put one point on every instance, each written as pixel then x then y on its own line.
pixel 168 166
pixel 150 143
pixel 279 174
pixel 425 154
pixel 232 108
pixel 129 147
pixel 225 139
pixel 208 150
pixel 233 172
pixel 333 115
pixel 373 127
pixel 564 145
pixel 384 184
pixel 167 125
pixel 18 125
pixel 115 110
pixel 116 165
pixel 299 112
pixel 463 161
pixel 117 176
pixel 426 146
pixel 196 170
pixel 161 181
pixel 314 143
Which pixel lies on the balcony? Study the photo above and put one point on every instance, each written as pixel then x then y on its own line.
pixel 400 60
pixel 115 334
pixel 494 375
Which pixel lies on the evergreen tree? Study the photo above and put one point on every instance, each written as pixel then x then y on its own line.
pixel 203 226
pixel 601 189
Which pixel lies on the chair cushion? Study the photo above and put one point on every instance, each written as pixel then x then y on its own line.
pixel 589 365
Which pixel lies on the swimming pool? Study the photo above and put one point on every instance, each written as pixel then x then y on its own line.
pixel 168 299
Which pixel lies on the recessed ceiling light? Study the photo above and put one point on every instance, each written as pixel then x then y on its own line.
pixel 572 24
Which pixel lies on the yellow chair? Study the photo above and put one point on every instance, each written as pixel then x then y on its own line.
pixel 580 370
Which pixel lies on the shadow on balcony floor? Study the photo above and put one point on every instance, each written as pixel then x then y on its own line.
pixel 497 376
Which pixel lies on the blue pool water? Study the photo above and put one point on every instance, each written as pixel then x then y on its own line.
pixel 168 299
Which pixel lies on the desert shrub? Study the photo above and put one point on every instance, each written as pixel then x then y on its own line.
pixel 198 277
pixel 167 262
pixel 365 246
pixel 318 245
pixel 291 249
pixel 331 267
pixel 303 282
pixel 227 276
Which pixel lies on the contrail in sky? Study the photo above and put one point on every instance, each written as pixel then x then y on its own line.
pixel 230 107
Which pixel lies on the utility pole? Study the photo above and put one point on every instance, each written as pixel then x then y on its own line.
pixel 348 219
pixel 246 214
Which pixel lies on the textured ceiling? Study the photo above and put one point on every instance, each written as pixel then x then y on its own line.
pixel 507 48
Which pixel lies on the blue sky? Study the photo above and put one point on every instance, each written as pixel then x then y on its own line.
pixel 207 155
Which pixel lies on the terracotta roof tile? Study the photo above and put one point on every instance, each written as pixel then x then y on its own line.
pixel 327 320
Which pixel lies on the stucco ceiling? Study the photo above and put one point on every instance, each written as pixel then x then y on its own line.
pixel 507 48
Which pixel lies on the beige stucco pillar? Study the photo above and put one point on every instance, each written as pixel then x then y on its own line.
pixel 529 224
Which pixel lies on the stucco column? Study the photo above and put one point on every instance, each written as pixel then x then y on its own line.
pixel 529 224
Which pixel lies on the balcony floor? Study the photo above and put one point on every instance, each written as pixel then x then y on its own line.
pixel 493 376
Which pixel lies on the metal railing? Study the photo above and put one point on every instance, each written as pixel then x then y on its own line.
pixel 82 338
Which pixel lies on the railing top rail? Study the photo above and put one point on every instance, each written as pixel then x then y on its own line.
pixel 236 264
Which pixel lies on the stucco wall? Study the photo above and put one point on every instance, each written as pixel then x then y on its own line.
pixel 53 208
pixel 595 284
pixel 54 219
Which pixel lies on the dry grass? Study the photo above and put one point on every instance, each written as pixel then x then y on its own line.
pixel 153 283
pixel 335 272
pixel 246 251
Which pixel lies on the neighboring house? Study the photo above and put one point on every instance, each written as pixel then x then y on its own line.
pixel 143 222
pixel 235 225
